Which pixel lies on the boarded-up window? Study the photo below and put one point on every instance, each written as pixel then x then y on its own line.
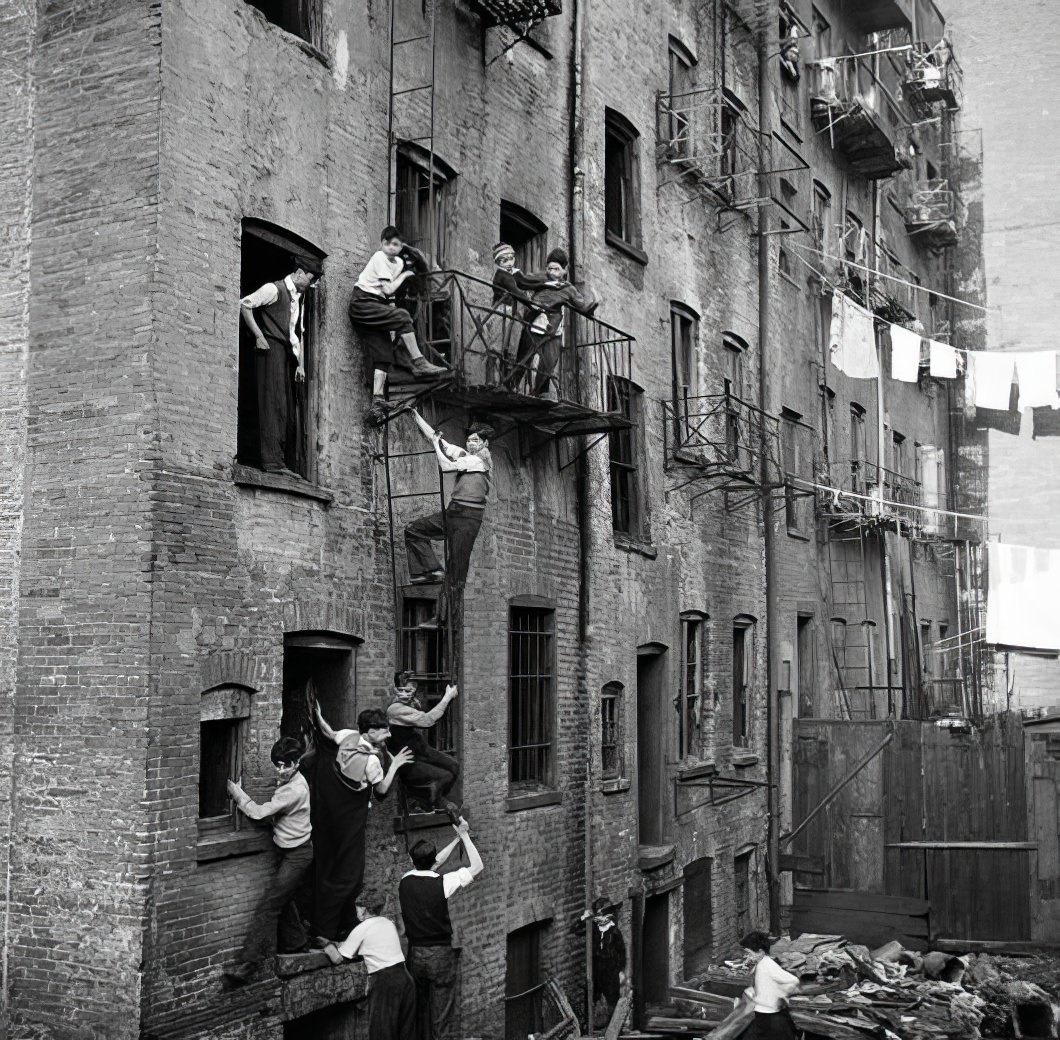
pixel 698 913
pixel 741 871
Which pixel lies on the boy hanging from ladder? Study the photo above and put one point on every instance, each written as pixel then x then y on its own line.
pixel 459 523
pixel 390 335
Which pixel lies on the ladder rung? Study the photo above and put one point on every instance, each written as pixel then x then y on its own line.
pixel 407 454
pixel 417 494
pixel 410 39
pixel 412 90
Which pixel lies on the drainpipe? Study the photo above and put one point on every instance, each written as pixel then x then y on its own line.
pixel 575 232
pixel 765 403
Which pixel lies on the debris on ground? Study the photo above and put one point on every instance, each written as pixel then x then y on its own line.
pixel 851 993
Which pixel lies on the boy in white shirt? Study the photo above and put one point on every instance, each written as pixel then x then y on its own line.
pixel 772 987
pixel 391 991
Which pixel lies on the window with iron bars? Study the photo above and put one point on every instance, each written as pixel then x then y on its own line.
pixel 425 655
pixel 424 201
pixel 531 696
pixel 611 711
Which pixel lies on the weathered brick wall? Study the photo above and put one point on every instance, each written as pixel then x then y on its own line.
pixel 75 862
pixel 18 23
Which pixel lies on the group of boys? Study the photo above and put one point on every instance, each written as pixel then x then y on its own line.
pixel 333 789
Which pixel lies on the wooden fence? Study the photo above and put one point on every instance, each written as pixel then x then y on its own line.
pixel 939 815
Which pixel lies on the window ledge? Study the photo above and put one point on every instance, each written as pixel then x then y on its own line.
pixel 694 771
pixel 802 536
pixel 742 758
pixel 652 857
pixel 634 545
pixel 518 802
pixel 227 844
pixel 790 279
pixel 616 785
pixel 247 476
pixel 632 251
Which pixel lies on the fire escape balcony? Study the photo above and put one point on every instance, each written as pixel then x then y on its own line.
pixel 872 16
pixel 931 216
pixel 708 138
pixel 516 12
pixel 561 387
pixel 847 101
pixel 856 500
pixel 933 78
pixel 717 440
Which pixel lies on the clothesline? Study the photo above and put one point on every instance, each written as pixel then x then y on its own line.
pixel 891 278
pixel 843 493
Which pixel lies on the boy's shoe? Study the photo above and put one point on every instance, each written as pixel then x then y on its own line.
pixel 422 367
pixel 380 410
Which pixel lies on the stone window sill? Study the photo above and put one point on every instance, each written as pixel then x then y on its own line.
pixel 742 758
pixel 632 251
pixel 629 544
pixel 518 802
pixel 802 536
pixel 652 857
pixel 695 771
pixel 226 844
pixel 247 476
pixel 616 785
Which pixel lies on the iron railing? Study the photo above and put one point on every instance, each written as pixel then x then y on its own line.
pixel 932 211
pixel 709 137
pixel 865 478
pixel 722 433
pixel 933 76
pixel 490 346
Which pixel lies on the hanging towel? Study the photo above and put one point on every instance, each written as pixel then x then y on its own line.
pixel 852 339
pixel 1022 597
pixel 905 354
pixel 943 360
pixel 1037 376
pixel 991 378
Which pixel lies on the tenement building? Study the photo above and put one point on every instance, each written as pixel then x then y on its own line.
pixel 718 407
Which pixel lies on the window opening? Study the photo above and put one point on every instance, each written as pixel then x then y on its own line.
pixel 526 234
pixel 623 445
pixel 689 704
pixel 742 677
pixel 621 187
pixel 611 713
pixel 531 692
pixel 301 17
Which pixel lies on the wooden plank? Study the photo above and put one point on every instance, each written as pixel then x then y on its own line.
pixel 1015 948
pixel 805 863
pixel 870 902
pixel 699 996
pixel 618 1019
pixel 1013 846
pixel 866 928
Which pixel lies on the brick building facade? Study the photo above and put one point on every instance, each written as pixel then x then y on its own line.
pixel 166 601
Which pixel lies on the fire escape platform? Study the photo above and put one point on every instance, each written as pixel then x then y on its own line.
pixel 514 12
pixel 859 136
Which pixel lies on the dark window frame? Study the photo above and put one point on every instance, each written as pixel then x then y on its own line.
pixel 629 516
pixel 622 190
pixel 858 447
pixel 531 697
pixel 524 980
pixel 742 880
pixel 793 432
pixel 282 250
pixel 301 18
pixel 684 361
pixel 526 233
pixel 224 719
pixel 424 654
pixel 612 724
pixel 690 701
pixel 680 81
pixel 743 678
pixel 414 172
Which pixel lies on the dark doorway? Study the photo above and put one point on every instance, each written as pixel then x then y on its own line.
pixel 524 982
pixel 320 666
pixel 651 743
pixel 698 911
pixel 807 681
pixel 341 1022
pixel 655 966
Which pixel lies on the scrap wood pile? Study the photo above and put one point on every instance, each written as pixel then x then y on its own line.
pixel 851 993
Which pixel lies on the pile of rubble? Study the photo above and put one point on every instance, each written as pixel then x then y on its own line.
pixel 851 993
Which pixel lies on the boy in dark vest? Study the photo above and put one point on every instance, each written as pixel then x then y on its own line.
pixel 341 800
pixel 460 523
pixel 433 772
pixel 424 896
pixel 274 316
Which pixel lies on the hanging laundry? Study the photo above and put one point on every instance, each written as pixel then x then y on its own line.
pixel 943 360
pixel 1046 422
pixel 905 354
pixel 852 339
pixel 990 378
pixel 1037 378
pixel 1004 420
pixel 1022 597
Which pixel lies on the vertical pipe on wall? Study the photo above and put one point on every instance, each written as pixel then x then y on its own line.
pixel 575 225
pixel 765 403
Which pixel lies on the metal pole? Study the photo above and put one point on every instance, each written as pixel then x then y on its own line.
pixel 765 275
